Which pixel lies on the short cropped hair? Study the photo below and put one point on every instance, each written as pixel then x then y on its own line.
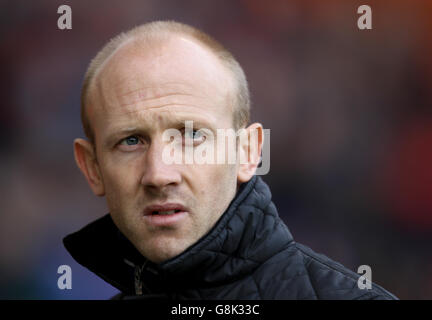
pixel 158 29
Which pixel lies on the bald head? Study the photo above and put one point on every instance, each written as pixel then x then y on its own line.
pixel 157 48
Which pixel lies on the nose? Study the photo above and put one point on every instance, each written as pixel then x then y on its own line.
pixel 158 174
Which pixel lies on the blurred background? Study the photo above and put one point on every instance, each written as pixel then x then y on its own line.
pixel 349 112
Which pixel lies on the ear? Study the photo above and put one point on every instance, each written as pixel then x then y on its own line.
pixel 250 146
pixel 85 158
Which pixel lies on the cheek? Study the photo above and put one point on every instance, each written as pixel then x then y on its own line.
pixel 121 179
pixel 215 184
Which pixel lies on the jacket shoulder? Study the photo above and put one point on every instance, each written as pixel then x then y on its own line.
pixel 300 273
pixel 332 280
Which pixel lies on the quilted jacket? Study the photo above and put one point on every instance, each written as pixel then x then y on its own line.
pixel 248 254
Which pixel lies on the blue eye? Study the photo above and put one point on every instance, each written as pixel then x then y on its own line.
pixel 130 141
pixel 195 134
pixel 195 137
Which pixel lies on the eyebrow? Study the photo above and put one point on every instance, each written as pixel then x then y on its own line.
pixel 118 134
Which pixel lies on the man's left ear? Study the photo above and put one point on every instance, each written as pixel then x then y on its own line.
pixel 250 146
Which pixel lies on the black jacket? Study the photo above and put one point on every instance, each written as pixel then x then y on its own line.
pixel 248 254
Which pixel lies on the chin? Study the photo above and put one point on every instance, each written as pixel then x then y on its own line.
pixel 163 250
pixel 161 257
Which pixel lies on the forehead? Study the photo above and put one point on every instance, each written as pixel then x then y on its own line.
pixel 176 74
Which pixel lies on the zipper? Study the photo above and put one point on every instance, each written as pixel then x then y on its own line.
pixel 138 281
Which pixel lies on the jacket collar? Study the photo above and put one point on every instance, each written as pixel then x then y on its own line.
pixel 247 234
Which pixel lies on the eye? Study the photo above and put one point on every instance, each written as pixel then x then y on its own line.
pixel 196 136
pixel 130 141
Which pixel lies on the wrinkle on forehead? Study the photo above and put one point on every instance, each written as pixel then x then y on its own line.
pixel 159 116
pixel 153 93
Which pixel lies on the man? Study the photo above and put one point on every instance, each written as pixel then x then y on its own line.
pixel 182 230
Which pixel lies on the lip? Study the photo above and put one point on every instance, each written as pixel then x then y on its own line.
pixel 165 220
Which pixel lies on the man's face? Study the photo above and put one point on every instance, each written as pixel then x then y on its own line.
pixel 137 95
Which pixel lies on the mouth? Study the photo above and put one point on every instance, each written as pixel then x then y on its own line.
pixel 165 214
